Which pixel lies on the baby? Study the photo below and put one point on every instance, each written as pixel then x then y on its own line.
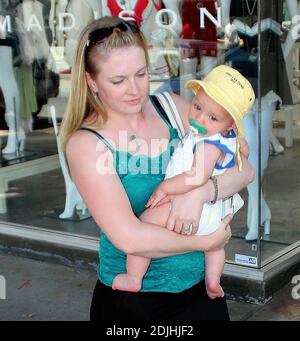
pixel 212 145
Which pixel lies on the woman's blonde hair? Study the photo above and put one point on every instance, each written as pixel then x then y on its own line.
pixel 82 101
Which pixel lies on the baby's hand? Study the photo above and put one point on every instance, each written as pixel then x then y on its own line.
pixel 156 197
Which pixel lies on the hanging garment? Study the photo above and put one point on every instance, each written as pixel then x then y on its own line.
pixel 273 68
pixel 28 102
pixel 30 14
pixel 144 12
pixel 205 43
pixel 138 9
pixel 57 7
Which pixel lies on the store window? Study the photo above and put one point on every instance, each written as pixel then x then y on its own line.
pixel 186 40
pixel 268 56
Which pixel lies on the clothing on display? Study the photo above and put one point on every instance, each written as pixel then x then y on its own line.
pixel 137 10
pixel 144 11
pixel 28 99
pixel 164 57
pixel 199 45
pixel 274 83
pixel 265 24
pixel 204 40
pixel 37 38
pixel 28 41
pixel 58 7
pixel 45 80
pixel 273 68
pixel 83 14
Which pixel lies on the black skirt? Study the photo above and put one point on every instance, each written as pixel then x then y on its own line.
pixel 190 305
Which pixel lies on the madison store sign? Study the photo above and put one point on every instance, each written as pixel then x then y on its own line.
pixel 67 21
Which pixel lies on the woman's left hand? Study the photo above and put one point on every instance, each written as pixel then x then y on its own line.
pixel 185 212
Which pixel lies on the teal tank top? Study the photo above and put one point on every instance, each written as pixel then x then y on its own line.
pixel 167 274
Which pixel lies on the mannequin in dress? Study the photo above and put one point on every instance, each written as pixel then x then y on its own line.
pixel 82 12
pixel 288 45
pixel 148 13
pixel 30 12
pixel 58 7
pixel 206 52
pixel 144 12
pixel 272 94
pixel 9 87
pixel 73 198
pixel 202 56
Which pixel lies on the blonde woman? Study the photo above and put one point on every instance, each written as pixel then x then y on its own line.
pixel 118 144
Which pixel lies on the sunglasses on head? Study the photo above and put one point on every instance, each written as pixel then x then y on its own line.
pixel 98 36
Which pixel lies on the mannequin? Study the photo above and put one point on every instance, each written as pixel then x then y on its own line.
pixel 288 45
pixel 73 198
pixel 37 59
pixel 268 107
pixel 287 49
pixel 57 7
pixel 272 92
pixel 145 13
pixel 9 87
pixel 82 13
pixel 30 12
pixel 204 52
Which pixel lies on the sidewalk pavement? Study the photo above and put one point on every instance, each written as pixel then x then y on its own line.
pixel 44 291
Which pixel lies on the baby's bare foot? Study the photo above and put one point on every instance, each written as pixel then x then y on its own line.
pixel 124 282
pixel 214 289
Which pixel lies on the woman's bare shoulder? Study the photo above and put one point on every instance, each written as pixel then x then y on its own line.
pixel 84 142
pixel 80 140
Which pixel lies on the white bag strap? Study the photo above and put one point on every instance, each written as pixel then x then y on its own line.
pixel 169 106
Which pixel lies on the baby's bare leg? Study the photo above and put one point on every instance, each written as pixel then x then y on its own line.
pixel 157 215
pixel 214 266
pixel 132 280
pixel 137 266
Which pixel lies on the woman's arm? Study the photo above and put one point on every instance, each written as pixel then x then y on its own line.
pixel 244 148
pixel 108 203
pixel 233 180
pixel 188 207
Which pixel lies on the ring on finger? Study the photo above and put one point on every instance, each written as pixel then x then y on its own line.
pixel 188 229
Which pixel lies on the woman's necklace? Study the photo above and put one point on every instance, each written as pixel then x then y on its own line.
pixel 136 140
pixel 133 137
